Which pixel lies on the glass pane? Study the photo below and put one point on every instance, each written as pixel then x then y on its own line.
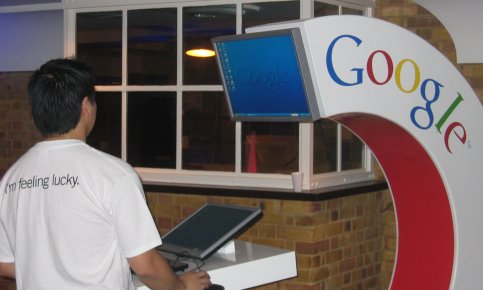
pixel 270 147
pixel 324 9
pixel 99 42
pixel 152 47
pixel 208 132
pixel 200 25
pixel 352 151
pixel 269 12
pixel 106 135
pixel 325 146
pixel 351 11
pixel 151 127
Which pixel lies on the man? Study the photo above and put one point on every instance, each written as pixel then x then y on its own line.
pixel 73 217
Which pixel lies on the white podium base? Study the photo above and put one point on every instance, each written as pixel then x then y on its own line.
pixel 251 265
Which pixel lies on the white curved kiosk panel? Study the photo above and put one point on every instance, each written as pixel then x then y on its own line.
pixel 423 122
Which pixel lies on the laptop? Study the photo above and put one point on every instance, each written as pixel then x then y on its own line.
pixel 207 229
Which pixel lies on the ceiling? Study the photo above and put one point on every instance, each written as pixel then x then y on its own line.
pixel 468 39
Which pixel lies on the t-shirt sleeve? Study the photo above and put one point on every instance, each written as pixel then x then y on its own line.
pixel 133 221
pixel 6 254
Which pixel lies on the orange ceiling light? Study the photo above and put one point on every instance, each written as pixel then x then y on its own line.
pixel 201 52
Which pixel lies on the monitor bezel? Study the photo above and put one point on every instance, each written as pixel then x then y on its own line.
pixel 303 66
pixel 253 214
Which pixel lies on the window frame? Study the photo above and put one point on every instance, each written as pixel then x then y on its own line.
pixel 237 178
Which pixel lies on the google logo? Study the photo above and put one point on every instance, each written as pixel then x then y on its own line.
pixel 430 90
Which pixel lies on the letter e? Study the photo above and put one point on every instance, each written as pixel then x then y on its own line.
pixel 452 129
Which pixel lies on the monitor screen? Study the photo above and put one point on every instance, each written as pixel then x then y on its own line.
pixel 266 77
pixel 207 229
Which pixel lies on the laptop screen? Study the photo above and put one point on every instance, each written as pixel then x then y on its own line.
pixel 208 229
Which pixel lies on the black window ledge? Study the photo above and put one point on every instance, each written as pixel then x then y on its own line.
pixel 268 193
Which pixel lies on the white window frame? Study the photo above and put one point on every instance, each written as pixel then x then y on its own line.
pixel 214 178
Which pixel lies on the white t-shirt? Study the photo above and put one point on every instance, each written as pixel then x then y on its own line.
pixel 70 216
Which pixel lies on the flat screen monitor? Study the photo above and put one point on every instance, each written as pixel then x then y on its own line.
pixel 207 229
pixel 266 76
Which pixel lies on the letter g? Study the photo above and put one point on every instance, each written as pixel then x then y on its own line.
pixel 330 64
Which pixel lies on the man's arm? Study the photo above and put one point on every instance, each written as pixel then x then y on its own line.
pixel 154 271
pixel 7 270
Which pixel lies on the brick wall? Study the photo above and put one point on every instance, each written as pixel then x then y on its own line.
pixel 17 130
pixel 337 242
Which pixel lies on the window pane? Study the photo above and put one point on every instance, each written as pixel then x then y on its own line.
pixel 269 12
pixel 208 132
pixel 270 147
pixel 351 11
pixel 152 47
pixel 325 146
pixel 352 150
pixel 106 135
pixel 324 9
pixel 151 127
pixel 200 24
pixel 99 42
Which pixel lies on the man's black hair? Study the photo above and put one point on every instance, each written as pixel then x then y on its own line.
pixel 56 91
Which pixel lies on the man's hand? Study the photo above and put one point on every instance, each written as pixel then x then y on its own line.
pixel 154 271
pixel 196 280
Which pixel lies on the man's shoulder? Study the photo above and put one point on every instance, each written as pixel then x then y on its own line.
pixel 100 158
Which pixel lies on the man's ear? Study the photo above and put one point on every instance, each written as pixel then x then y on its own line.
pixel 86 108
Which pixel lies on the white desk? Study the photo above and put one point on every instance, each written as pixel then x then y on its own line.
pixel 251 265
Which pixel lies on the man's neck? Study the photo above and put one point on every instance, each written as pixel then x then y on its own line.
pixel 72 135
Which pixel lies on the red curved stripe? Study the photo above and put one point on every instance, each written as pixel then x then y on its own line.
pixel 425 251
